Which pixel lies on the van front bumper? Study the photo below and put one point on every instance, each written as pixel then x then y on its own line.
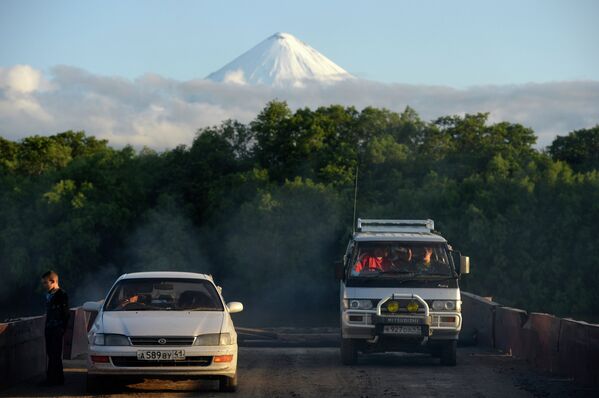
pixel 370 325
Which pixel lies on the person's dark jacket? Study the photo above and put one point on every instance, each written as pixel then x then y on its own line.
pixel 57 310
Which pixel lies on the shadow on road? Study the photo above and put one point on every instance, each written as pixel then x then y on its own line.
pixel 75 386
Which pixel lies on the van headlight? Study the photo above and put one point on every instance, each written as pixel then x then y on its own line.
pixel 110 339
pixel 358 304
pixel 213 339
pixel 446 305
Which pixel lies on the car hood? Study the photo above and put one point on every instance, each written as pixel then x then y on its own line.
pixel 162 323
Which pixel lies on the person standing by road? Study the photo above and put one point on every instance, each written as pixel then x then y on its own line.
pixel 57 318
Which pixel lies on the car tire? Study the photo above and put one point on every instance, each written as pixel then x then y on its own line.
pixel 449 353
pixel 228 384
pixel 349 352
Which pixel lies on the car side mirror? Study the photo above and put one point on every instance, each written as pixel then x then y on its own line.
pixel 234 307
pixel 464 265
pixel 339 270
pixel 92 306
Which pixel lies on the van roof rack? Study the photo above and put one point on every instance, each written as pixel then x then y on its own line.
pixel 379 225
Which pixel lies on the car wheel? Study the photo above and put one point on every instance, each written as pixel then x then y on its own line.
pixel 449 354
pixel 349 352
pixel 228 384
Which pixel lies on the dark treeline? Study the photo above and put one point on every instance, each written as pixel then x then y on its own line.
pixel 266 207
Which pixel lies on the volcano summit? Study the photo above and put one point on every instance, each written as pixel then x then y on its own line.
pixel 281 60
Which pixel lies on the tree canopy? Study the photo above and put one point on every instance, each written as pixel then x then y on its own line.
pixel 267 206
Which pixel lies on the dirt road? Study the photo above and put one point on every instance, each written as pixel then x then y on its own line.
pixel 317 372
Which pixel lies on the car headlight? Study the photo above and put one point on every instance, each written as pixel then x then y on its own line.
pixel 357 304
pixel 213 339
pixel 225 339
pixel 110 339
pixel 445 305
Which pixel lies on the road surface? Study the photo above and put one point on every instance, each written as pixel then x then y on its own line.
pixel 317 372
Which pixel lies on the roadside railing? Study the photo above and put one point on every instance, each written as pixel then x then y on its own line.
pixel 559 345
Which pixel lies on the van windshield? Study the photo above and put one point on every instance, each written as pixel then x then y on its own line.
pixel 400 260
pixel 149 294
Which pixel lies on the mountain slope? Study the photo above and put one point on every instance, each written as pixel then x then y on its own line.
pixel 280 60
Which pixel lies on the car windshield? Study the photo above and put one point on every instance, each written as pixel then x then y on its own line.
pixel 150 294
pixel 400 260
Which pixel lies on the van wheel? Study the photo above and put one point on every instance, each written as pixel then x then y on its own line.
pixel 349 352
pixel 449 354
pixel 228 384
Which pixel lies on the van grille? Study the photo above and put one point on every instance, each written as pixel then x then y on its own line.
pixel 162 341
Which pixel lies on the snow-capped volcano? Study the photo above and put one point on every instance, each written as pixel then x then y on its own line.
pixel 280 60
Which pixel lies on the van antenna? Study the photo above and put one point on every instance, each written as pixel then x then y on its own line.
pixel 355 200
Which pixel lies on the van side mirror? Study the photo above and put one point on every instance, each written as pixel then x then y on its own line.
pixel 92 306
pixel 339 270
pixel 464 265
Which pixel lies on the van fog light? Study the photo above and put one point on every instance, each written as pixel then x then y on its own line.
pixel 392 306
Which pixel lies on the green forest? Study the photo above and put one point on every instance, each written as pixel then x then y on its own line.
pixel 267 207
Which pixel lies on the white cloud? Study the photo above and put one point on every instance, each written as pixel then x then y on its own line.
pixel 20 79
pixel 160 112
pixel 235 76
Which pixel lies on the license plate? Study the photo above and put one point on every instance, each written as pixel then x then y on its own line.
pixel 402 330
pixel 155 355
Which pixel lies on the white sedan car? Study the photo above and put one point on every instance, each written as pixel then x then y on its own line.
pixel 163 324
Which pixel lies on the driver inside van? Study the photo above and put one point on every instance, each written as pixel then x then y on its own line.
pixel 426 254
pixel 424 259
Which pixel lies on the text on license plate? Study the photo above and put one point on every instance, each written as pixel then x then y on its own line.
pixel 401 329
pixel 155 355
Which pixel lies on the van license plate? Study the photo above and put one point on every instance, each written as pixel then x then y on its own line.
pixel 402 330
pixel 154 355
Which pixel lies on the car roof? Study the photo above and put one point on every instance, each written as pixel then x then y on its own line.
pixel 398 236
pixel 166 274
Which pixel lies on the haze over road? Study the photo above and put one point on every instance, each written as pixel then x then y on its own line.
pixel 317 372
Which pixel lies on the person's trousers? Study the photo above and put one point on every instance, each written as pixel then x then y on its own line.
pixel 54 337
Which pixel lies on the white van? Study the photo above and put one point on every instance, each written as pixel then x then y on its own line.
pixel 399 290
pixel 163 324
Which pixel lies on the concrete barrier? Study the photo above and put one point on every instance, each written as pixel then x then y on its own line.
pixel 78 340
pixel 22 350
pixel 509 333
pixel 592 376
pixel 561 346
pixel 478 320
pixel 578 354
pixel 541 341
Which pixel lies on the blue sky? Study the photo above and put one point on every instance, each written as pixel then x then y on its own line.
pixel 454 43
